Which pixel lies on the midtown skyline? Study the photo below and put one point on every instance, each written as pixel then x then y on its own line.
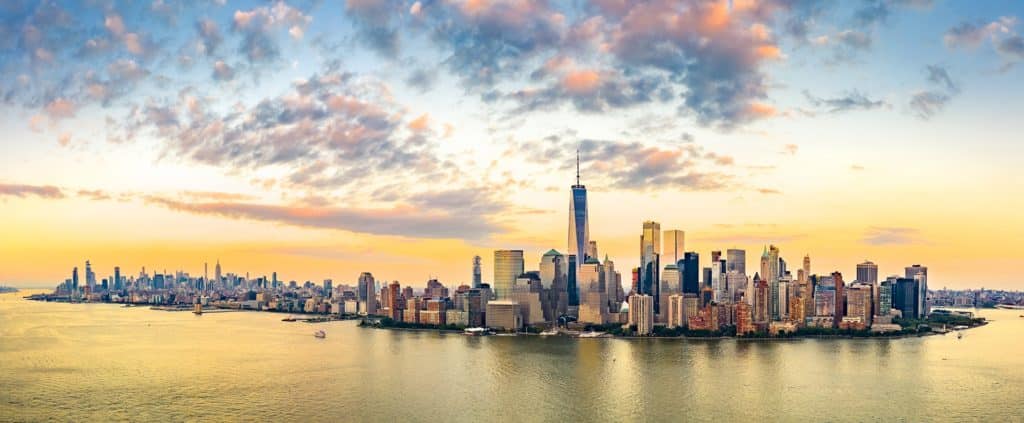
pixel 397 137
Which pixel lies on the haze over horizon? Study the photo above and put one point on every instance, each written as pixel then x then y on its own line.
pixel 321 139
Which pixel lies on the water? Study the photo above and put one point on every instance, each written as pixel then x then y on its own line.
pixel 100 362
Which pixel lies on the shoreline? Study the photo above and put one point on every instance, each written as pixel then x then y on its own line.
pixel 687 338
pixel 325 318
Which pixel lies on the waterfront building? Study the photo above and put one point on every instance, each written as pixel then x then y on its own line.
pixel 528 296
pixel 456 317
pixel 641 313
pixel 744 319
pixel 674 245
pixel 859 298
pixel 508 265
pixel 504 315
pixel 885 291
pixel 392 302
pixel 736 261
pixel 691 305
pixel 906 297
pixel 554 296
pixel 676 311
pixel 867 272
pixel 477 272
pixel 579 225
pixel 919 273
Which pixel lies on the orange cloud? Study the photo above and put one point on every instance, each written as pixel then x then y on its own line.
pixel 421 123
pixel 60 108
pixel 581 81
pixel 761 110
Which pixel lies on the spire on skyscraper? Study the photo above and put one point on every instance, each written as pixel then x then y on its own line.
pixel 577 166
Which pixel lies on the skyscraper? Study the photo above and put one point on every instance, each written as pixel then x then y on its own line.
pixel 74 279
pixel 579 227
pixel 90 277
pixel 216 272
pixel 689 268
pixel 117 277
pixel 508 265
pixel 920 273
pixel 736 261
pixel 477 274
pixel 674 245
pixel 840 308
pixel 650 257
pixel 867 272
pixel 367 292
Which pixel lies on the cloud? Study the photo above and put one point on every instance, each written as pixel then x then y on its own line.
pixel 259 27
pixel 60 108
pixel 24 191
pixel 877 235
pixel 404 220
pixel 64 139
pixel 1012 48
pixel 853 100
pixel 877 11
pixel 939 76
pixel 95 195
pixel 768 191
pixel 222 71
pixel 856 167
pixel 926 104
pixel 790 149
pixel 209 35
pixel 972 34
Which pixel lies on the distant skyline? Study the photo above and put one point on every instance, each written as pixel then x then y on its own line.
pixel 323 139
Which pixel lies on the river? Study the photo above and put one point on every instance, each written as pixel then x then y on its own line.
pixel 102 362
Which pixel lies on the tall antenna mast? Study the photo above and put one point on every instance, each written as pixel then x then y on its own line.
pixel 577 166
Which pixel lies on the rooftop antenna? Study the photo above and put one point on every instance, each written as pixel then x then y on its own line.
pixel 577 166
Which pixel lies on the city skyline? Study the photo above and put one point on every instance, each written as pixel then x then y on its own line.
pixel 408 138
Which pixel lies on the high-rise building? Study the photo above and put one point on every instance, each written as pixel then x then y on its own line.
pixel 674 245
pixel 920 273
pixel 368 293
pixel 641 313
pixel 593 296
pixel 90 277
pixel 579 225
pixel 885 292
pixel 571 287
pixel 74 279
pixel 650 261
pixel 216 272
pixel 744 319
pixel 859 298
pixel 504 315
pixel 840 307
pixel 117 278
pixel 906 297
pixel 477 273
pixel 592 249
pixel 867 272
pixel 773 281
pixel 508 265
pixel 736 261
pixel 676 311
pixel 689 268
pixel 762 300
pixel 552 269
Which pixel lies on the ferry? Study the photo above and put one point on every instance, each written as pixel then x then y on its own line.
pixel 476 332
pixel 320 334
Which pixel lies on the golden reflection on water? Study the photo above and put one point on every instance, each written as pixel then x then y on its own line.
pixel 98 362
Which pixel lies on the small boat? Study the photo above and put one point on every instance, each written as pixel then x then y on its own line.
pixel 549 333
pixel 591 334
pixel 959 335
pixel 476 332
pixel 320 334
pixel 288 319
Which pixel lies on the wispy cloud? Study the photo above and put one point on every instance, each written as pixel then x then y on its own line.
pixel 878 235
pixel 22 191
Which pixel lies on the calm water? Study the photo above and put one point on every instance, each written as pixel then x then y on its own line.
pixel 98 362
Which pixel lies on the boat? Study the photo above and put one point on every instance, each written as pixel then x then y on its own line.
pixel 549 333
pixel 959 335
pixel 476 332
pixel 320 334
pixel 288 319
pixel 591 334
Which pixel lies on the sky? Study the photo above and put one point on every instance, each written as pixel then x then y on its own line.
pixel 320 139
